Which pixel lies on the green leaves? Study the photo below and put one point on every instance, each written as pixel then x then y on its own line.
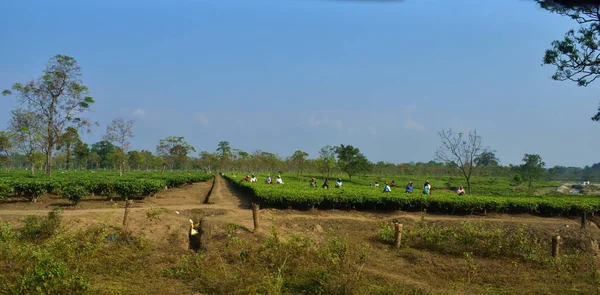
pixel 78 186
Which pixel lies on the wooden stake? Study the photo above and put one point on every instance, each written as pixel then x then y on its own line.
pixel 125 221
pixel 398 239
pixel 255 208
pixel 583 220
pixel 555 245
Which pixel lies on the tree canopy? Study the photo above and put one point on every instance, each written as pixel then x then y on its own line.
pixel 532 168
pixel 351 160
pixel 577 56
pixel 58 99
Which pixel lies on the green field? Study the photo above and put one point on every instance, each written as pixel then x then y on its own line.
pixel 77 185
pixel 490 195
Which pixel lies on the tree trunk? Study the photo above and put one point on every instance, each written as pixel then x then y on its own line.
pixel 68 157
pixel 163 168
pixel 121 169
pixel 49 160
pixel 50 142
pixel 469 185
pixel 32 169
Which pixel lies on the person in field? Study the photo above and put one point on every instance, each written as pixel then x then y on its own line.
pixel 338 183
pixel 246 179
pixel 253 179
pixel 313 182
pixel 427 188
pixel 279 180
pixel 325 183
pixel 461 191
pixel 386 188
pixel 409 187
pixel 269 180
pixel 393 184
pixel 376 183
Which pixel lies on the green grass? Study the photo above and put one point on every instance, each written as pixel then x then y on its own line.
pixel 500 196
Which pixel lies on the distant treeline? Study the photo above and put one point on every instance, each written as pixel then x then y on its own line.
pixel 104 155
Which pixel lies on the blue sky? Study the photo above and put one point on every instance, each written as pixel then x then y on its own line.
pixel 281 75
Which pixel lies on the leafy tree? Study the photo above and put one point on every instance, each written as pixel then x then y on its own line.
pixel 460 151
pixel 137 159
pixel 225 154
pixel 82 154
pixel 105 152
pixel 487 159
pixel 57 98
pixel 532 168
pixel 327 160
pixel 28 135
pixel 174 151
pixel 577 56
pixel 351 160
pixel 119 132
pixel 208 161
pixel 67 142
pixel 5 147
pixel 298 160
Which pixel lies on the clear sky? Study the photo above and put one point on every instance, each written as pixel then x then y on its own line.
pixel 282 75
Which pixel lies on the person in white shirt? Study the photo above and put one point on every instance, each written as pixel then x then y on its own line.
pixel 387 188
pixel 338 183
pixel 279 180
pixel 376 183
pixel 253 179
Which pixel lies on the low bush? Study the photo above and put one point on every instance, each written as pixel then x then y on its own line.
pixel 40 227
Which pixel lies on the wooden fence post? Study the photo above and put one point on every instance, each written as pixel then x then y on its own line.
pixel 255 208
pixel 125 221
pixel 583 220
pixel 398 237
pixel 555 245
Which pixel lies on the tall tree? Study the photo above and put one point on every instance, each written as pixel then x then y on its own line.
pixel 28 135
pixel 57 98
pixel 532 168
pixel 487 159
pixel 577 56
pixel 326 160
pixel 82 154
pixel 5 147
pixel 460 151
pixel 351 160
pixel 174 151
pixel 137 160
pixel 67 143
pixel 298 160
pixel 225 154
pixel 105 152
pixel 208 161
pixel 119 132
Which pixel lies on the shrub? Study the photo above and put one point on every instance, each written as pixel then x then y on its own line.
pixel 518 179
pixel 75 193
pixel 49 276
pixel 387 232
pixel 41 227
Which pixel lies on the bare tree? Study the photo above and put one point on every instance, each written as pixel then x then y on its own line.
pixel 119 132
pixel 57 99
pixel 460 151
